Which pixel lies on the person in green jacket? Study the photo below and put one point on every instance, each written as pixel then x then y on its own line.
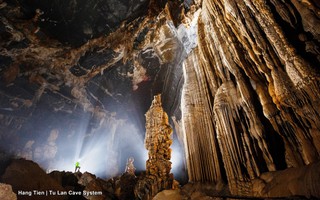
pixel 77 167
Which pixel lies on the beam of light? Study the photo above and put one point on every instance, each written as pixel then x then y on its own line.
pixel 79 138
pixel 105 157
pixel 177 159
pixel 104 152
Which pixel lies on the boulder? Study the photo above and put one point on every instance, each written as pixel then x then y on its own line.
pixel 127 184
pixel 6 192
pixel 302 181
pixel 95 188
pixel 29 181
pixel 69 181
pixel 168 195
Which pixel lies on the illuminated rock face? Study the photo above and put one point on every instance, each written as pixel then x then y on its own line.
pixel 250 101
pixel 157 142
pixel 158 137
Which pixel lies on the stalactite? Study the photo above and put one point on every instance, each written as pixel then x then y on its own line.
pixel 157 142
pixel 254 78
pixel 199 131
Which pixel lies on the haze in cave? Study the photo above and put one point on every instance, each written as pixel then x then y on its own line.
pixel 204 99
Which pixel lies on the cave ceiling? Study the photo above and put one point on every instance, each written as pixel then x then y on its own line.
pixel 84 66
pixel 62 29
pixel 75 22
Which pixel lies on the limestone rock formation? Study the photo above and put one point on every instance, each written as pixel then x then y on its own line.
pixel 85 185
pixel 239 79
pixel 68 180
pixel 27 177
pixel 168 194
pixel 127 185
pixel 92 183
pixel 81 91
pixel 6 192
pixel 303 181
pixel 130 167
pixel 157 142
pixel 250 100
pixel 29 181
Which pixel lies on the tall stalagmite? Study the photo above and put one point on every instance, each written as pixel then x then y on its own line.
pixel 157 142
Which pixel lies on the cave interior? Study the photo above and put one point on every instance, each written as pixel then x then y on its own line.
pixel 239 84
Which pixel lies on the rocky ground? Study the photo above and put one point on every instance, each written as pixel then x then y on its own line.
pixel 24 179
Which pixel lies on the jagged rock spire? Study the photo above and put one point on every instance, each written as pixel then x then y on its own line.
pixel 157 142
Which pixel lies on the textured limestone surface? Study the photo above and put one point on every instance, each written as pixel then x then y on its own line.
pixel 303 181
pixel 250 101
pixel 157 141
pixel 6 192
pixel 238 79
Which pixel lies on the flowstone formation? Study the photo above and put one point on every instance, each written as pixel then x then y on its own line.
pixel 250 100
pixel 157 142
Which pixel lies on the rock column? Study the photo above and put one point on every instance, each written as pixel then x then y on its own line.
pixel 157 142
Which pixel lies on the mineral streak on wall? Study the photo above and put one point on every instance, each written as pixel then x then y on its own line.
pixel 200 142
pixel 157 142
pixel 250 101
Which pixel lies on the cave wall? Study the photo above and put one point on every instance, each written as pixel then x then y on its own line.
pixel 90 94
pixel 251 92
